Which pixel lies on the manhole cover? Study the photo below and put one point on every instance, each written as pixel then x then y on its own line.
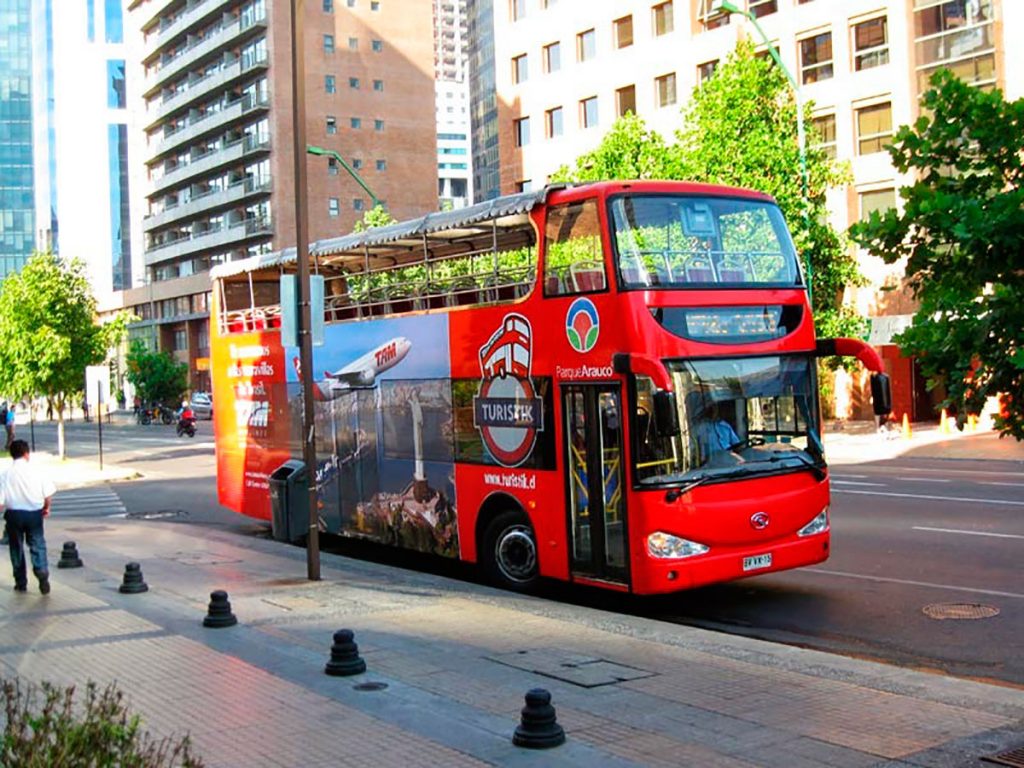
pixel 370 686
pixel 157 514
pixel 960 611
pixel 1014 758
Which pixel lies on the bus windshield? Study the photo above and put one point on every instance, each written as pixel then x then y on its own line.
pixel 737 416
pixel 685 241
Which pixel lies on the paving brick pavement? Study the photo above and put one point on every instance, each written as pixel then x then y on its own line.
pixel 457 658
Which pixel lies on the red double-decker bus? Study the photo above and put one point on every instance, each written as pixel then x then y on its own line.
pixel 612 384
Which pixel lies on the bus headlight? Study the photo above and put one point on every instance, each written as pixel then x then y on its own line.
pixel 817 525
pixel 666 545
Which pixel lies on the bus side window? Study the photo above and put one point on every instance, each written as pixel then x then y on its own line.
pixel 573 256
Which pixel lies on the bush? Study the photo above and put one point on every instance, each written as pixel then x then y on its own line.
pixel 63 733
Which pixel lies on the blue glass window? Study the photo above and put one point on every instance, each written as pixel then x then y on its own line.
pixel 116 96
pixel 114 21
pixel 120 230
pixel 90 15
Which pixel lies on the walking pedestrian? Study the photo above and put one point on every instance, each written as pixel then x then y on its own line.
pixel 25 495
pixel 9 427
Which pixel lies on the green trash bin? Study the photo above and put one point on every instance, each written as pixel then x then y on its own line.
pixel 289 502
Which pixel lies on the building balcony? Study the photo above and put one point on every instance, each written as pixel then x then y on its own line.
pixel 218 239
pixel 229 154
pixel 210 201
pixel 194 13
pixel 201 88
pixel 209 123
pixel 154 10
pixel 191 55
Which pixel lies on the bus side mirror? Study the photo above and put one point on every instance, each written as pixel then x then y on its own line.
pixel 666 413
pixel 881 394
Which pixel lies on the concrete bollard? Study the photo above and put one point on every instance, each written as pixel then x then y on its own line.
pixel 133 583
pixel 538 727
pixel 219 614
pixel 345 658
pixel 69 556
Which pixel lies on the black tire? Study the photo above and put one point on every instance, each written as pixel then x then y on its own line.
pixel 145 420
pixel 166 417
pixel 508 552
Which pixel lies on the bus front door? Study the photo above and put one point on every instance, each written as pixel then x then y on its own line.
pixel 597 510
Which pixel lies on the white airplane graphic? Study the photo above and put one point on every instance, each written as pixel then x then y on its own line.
pixel 361 372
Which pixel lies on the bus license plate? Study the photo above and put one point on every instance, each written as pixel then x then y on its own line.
pixel 757 562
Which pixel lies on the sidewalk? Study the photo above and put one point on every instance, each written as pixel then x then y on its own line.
pixel 456 659
pixel 859 441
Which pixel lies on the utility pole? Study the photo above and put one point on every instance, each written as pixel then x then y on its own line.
pixel 303 288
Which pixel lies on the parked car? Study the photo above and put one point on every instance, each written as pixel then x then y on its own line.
pixel 202 405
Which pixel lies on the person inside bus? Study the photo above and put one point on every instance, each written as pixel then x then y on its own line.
pixel 716 436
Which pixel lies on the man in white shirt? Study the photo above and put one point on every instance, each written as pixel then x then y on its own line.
pixel 25 496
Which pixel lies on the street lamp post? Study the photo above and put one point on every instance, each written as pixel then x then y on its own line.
pixel 351 171
pixel 727 7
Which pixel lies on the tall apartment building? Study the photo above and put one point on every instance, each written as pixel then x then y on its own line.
pixel 561 77
pixel 215 105
pixel 454 175
pixel 17 190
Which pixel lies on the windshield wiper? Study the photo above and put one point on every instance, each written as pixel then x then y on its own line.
pixel 817 469
pixel 674 493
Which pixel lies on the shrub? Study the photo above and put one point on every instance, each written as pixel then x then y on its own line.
pixel 45 727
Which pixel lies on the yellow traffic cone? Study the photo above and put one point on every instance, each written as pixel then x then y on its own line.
pixel 943 423
pixel 906 426
pixel 972 423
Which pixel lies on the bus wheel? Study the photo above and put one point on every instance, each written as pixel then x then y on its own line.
pixel 509 553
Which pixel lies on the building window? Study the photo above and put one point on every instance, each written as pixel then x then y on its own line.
pixel 357 203
pixel 665 89
pixel 524 185
pixel 353 43
pixel 378 85
pixel 333 207
pixel 522 131
pixel 116 95
pixel 520 69
pixel 552 57
pixel 816 58
pixel 588 112
pixel 706 70
pixel 330 85
pixel 517 9
pixel 874 128
pixel 870 43
pixel 759 8
pixel 332 124
pixel 374 5
pixel 662 19
pixel 332 166
pixel 350 3
pixel 553 122
pixel 113 21
pixel 880 200
pixel 382 165
pixel 586 45
pixel 825 125
pixel 357 164
pixel 328 6
pixel 625 100
pixel 180 340
pixel 328 43
pixel 709 15
pixel 958 35
pixel 353 82
pixel 378 125
pixel 623 32
pixel 376 46
pixel 355 123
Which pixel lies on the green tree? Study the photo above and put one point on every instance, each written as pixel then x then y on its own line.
pixel 961 232
pixel 156 376
pixel 377 216
pixel 739 129
pixel 49 333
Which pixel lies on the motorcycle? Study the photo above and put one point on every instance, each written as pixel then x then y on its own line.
pixel 144 416
pixel 166 414
pixel 187 426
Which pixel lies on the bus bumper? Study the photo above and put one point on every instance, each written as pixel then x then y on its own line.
pixel 654 575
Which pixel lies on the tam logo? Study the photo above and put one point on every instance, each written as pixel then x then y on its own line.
pixel 582 325
pixel 386 354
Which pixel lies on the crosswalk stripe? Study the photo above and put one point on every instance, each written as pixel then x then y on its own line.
pixel 87 500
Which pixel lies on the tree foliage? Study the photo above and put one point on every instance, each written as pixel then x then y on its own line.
pixel 740 129
pixel 48 330
pixel 377 216
pixel 961 232
pixel 156 376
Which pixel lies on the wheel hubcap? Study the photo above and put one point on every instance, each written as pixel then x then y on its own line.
pixel 516 553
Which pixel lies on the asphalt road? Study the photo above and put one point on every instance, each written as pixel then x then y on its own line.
pixel 907 536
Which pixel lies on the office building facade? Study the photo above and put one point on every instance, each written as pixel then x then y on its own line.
pixel 454 172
